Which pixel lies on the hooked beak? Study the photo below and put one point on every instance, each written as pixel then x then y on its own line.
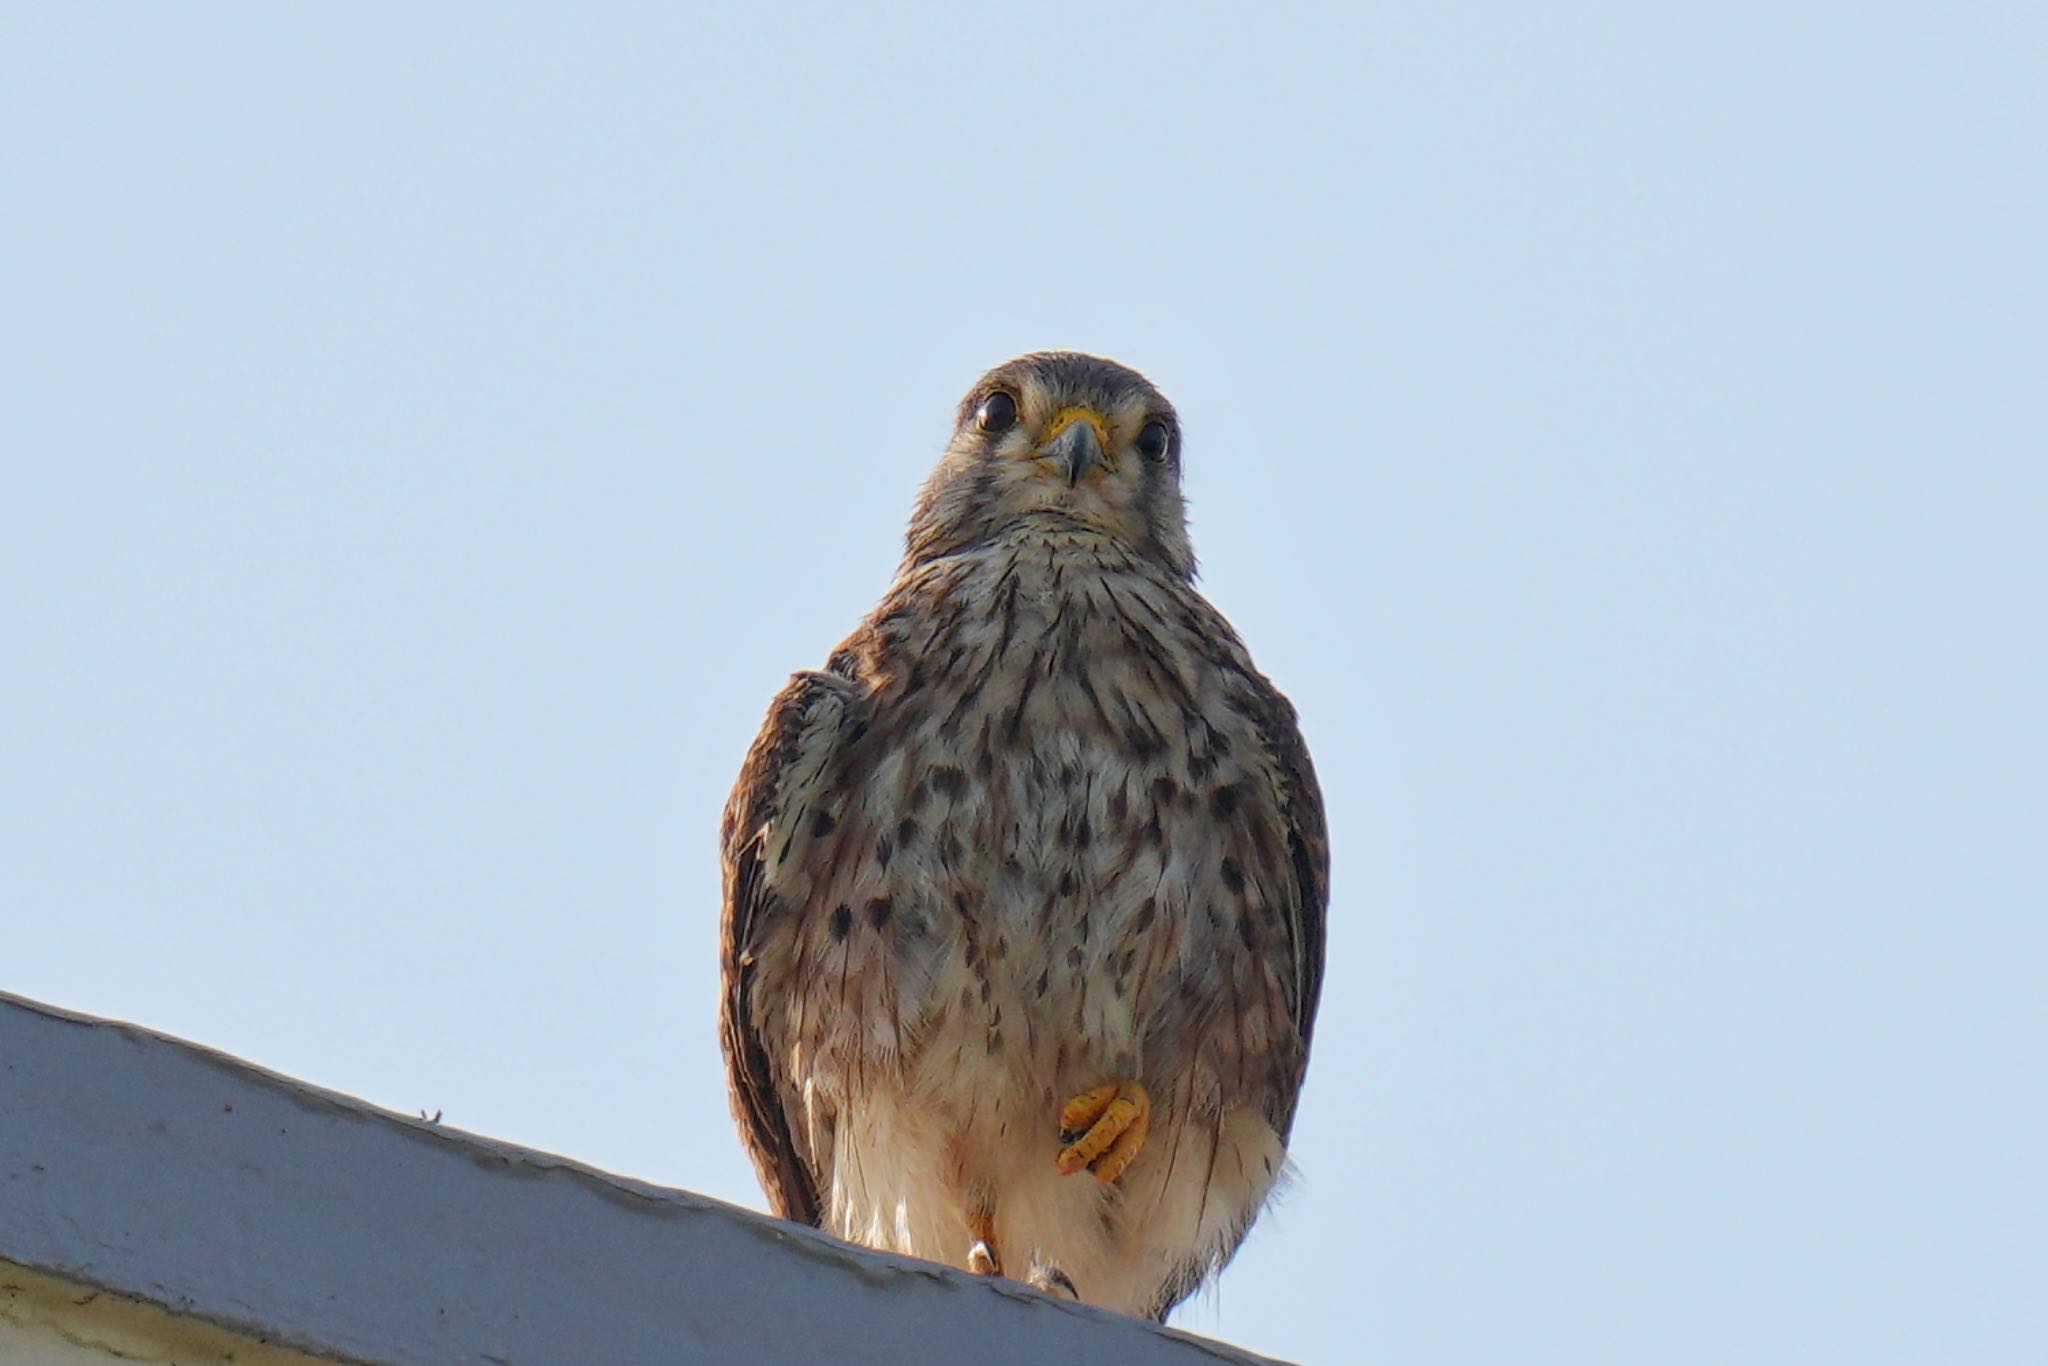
pixel 1075 451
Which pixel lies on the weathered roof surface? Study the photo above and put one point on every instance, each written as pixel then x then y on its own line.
pixel 45 1321
pixel 144 1165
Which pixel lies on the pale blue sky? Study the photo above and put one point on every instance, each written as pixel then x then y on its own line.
pixel 432 434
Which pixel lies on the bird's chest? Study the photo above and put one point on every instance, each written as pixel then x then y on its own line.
pixel 1068 772
pixel 1043 840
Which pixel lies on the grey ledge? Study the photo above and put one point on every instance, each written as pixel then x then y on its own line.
pixel 139 1164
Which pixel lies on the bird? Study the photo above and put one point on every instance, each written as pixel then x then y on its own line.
pixel 1025 890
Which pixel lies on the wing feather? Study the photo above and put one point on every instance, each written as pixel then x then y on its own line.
pixel 1305 910
pixel 789 759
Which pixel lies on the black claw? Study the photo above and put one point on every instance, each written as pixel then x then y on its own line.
pixel 1051 1279
pixel 981 1260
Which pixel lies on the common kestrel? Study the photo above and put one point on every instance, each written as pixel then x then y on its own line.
pixel 1025 891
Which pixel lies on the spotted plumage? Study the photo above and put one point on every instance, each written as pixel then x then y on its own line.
pixel 1038 832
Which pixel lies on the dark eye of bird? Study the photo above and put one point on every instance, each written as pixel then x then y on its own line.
pixel 1154 442
pixel 998 413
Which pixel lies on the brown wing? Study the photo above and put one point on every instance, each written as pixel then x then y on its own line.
pixel 1308 850
pixel 787 759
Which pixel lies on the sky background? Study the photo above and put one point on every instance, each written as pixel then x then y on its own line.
pixel 432 434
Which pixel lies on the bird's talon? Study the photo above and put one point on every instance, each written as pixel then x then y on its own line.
pixel 1103 1128
pixel 982 1257
pixel 981 1260
pixel 1054 1281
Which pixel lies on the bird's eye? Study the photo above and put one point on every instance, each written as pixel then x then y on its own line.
pixel 997 413
pixel 1155 441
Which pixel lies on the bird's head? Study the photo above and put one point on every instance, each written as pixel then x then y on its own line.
pixel 1063 440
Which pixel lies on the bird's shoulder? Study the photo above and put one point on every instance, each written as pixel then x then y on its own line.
pixel 802 726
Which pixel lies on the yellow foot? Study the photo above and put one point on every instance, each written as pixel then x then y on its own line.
pixel 1103 1128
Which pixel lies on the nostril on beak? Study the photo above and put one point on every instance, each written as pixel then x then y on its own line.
pixel 1076 451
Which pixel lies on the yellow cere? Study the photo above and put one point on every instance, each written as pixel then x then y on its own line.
pixel 1067 417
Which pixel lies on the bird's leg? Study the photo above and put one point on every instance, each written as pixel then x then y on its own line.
pixel 1103 1128
pixel 982 1257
